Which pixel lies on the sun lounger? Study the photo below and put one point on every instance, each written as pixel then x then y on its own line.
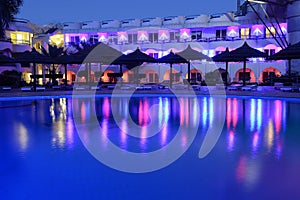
pixel 95 87
pixel 235 87
pixel 40 89
pixel 80 88
pixel 220 86
pixel 196 87
pixel 56 87
pixel 26 89
pixel 249 87
pixel 179 87
pixel 289 89
pixel 6 88
pixel 111 87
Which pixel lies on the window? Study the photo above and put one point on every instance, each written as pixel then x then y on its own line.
pixel 93 39
pixel 221 33
pixel 154 55
pixel 132 38
pixel 153 37
pixel 245 33
pixel 153 78
pixel 269 52
pixel 174 36
pixel 269 33
pixel 196 35
pixel 247 76
pixel 20 37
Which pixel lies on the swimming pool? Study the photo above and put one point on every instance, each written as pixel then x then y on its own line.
pixel 43 154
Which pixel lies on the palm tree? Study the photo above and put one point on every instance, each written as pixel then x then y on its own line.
pixel 53 52
pixel 8 8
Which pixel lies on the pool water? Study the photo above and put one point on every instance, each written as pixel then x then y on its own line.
pixel 43 155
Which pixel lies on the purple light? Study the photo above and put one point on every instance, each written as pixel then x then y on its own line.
pixel 232 31
pixel 257 30
pixel 163 35
pixel 185 34
pixel 143 36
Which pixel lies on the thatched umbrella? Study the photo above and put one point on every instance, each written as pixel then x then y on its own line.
pixel 172 58
pixel 134 59
pixel 289 53
pixel 244 52
pixel 225 57
pixel 34 57
pixel 190 54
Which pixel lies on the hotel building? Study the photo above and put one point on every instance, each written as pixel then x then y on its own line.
pixel 209 34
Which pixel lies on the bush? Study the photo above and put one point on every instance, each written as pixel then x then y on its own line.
pixel 10 78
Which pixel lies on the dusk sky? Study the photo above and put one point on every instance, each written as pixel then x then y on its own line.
pixel 55 11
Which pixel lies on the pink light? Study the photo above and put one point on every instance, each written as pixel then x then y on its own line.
pixel 283 27
pixel 235 112
pixel 230 141
pixel 278 115
pixel 232 31
pixel 102 37
pixel 141 115
pixel 122 37
pixel 228 113
pixel 106 107
pixel 257 30
pixel 142 36
pixel 163 35
pixel 185 33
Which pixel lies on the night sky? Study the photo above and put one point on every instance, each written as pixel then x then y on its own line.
pixel 55 11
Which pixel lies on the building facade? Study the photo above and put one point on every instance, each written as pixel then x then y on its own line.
pixel 209 34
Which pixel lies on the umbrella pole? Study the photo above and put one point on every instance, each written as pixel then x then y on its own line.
pixel 189 74
pixel 244 73
pixel 66 76
pixel 171 78
pixel 34 77
pixel 289 68
pixel 226 81
pixel 121 76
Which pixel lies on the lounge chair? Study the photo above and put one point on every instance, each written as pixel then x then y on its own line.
pixel 249 87
pixel 196 87
pixel 111 87
pixel 56 87
pixel 289 89
pixel 220 86
pixel 179 87
pixel 40 88
pixel 26 89
pixel 6 88
pixel 95 87
pixel 235 87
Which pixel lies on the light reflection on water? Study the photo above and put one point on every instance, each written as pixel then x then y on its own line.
pixel 255 130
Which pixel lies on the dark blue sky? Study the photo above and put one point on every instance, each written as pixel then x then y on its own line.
pixel 54 11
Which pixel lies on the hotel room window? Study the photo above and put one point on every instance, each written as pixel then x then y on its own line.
pixel 151 37
pixel 155 37
pixel 245 33
pixel 130 38
pixel 196 35
pixel 221 33
pixel 269 33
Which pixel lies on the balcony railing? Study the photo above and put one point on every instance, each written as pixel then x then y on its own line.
pixel 20 42
pixel 204 39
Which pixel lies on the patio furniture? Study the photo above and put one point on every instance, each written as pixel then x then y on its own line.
pixel 235 87
pixel 26 89
pixel 40 88
pixel 249 87
pixel 6 88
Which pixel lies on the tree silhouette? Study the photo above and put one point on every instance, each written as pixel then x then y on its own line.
pixel 8 9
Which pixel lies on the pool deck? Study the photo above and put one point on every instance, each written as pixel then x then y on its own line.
pixel 264 91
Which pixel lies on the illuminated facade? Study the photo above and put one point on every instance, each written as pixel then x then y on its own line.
pixel 209 34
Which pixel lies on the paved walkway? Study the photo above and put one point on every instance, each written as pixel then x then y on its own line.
pixel 261 92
